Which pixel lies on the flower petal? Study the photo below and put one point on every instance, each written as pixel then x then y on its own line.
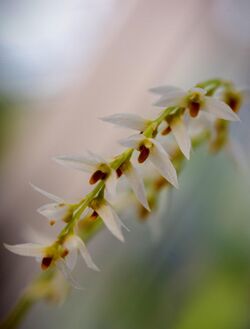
pixel 163 90
pixel 105 211
pixel 137 184
pixel 127 120
pixel 26 249
pixel 71 259
pixel 96 158
pixel 84 163
pixel 118 219
pixel 181 136
pixel 171 99
pixel 47 194
pixel 111 184
pixel 132 141
pixel 62 266
pixel 54 211
pixel 161 161
pixel 219 109
pixel 85 254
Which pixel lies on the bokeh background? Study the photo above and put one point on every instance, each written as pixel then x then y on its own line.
pixel 64 64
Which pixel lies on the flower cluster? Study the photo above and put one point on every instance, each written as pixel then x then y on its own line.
pixel 214 101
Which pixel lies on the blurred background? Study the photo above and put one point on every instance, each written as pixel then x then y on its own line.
pixel 64 64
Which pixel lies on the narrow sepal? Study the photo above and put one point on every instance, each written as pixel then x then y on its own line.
pixel 127 120
pixel 136 184
pixel 220 109
pixel 26 249
pixel 181 136
pixel 106 213
pixel 161 161
pixel 47 194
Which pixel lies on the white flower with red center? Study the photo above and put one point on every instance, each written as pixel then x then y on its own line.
pixel 94 164
pixel 101 170
pixel 195 100
pixel 102 208
pixel 151 149
pixel 175 123
pixel 59 210
pixel 54 253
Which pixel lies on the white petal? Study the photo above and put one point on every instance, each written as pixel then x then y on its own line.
pixel 54 211
pixel 127 120
pixel 181 136
pixel 83 163
pixel 237 153
pixel 163 90
pixel 71 259
pixel 171 99
pixel 219 109
pixel 26 249
pixel 96 158
pixel 118 219
pixel 71 245
pixel 161 161
pixel 62 266
pixel 132 141
pixel 111 184
pixel 47 194
pixel 137 184
pixel 85 254
pixel 106 213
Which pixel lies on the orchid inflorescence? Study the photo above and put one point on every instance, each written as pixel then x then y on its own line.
pixel 214 102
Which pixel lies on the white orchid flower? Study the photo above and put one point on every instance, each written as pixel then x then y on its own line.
pixel 136 122
pixel 49 254
pixel 195 100
pixel 135 181
pixel 153 150
pixel 75 244
pixel 102 170
pixel 105 211
pixel 177 126
pixel 94 164
pixel 56 211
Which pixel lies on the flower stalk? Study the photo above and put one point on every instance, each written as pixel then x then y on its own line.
pixel 87 216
